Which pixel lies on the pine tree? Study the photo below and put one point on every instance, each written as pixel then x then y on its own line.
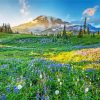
pixel 80 34
pixel 6 28
pixel 31 33
pixel 98 32
pixel 85 23
pixel 9 28
pixel 93 34
pixel 64 35
pixel 3 27
pixel 0 29
pixel 88 30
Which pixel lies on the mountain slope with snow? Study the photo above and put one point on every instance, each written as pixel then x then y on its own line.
pixel 49 25
pixel 39 24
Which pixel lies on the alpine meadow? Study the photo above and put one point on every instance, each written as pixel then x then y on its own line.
pixel 49 50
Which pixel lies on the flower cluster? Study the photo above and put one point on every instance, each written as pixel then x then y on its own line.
pixel 45 80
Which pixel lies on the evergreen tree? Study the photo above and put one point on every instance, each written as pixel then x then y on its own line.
pixel 88 30
pixel 31 33
pixel 0 29
pixel 85 25
pixel 80 34
pixel 3 27
pixel 98 32
pixel 9 28
pixel 93 34
pixel 6 28
pixel 64 35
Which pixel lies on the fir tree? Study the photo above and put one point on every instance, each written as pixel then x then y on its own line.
pixel 80 34
pixel 64 35
pixel 98 32
pixel 6 28
pixel 0 29
pixel 88 30
pixel 85 23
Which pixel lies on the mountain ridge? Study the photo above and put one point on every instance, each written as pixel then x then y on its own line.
pixel 49 24
pixel 39 24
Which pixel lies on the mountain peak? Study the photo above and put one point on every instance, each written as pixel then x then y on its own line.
pixel 39 24
pixel 49 20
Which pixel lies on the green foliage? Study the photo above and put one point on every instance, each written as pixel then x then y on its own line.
pixel 23 59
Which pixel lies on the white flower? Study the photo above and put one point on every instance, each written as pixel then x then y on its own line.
pixel 19 86
pixel 57 92
pixel 60 83
pixel 31 84
pixel 58 80
pixel 40 75
pixel 86 90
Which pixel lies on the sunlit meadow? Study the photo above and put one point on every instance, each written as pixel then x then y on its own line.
pixel 46 68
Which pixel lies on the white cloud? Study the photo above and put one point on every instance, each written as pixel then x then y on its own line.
pixel 24 7
pixel 90 11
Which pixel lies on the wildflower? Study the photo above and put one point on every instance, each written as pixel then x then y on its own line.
pixel 57 92
pixel 58 80
pixel 43 97
pixel 41 76
pixel 60 83
pixel 37 96
pixel 3 97
pixel 8 89
pixel 30 84
pixel 15 90
pixel 45 89
pixel 19 87
pixel 86 90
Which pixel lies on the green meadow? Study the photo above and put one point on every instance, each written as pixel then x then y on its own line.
pixel 49 68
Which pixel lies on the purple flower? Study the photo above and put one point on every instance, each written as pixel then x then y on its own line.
pixel 45 89
pixel 15 90
pixel 8 89
pixel 43 97
pixel 37 96
pixel 3 97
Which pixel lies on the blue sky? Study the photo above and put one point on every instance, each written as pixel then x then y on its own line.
pixel 18 11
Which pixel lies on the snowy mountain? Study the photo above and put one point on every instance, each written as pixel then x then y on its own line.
pixel 49 25
pixel 39 24
pixel 93 28
pixel 57 29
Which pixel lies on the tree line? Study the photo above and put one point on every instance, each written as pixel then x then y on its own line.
pixel 6 28
pixel 85 30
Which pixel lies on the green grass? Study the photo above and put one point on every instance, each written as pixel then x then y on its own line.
pixel 24 58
